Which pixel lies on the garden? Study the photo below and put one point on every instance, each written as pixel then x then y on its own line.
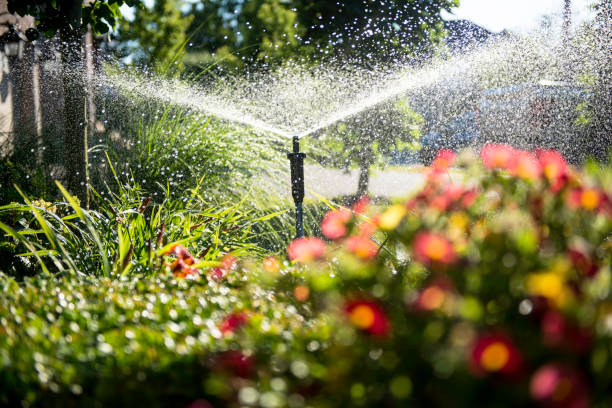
pixel 150 255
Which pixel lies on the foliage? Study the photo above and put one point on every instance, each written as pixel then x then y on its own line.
pixel 371 136
pixel 384 31
pixel 156 36
pixel 164 147
pixel 125 234
pixel 52 16
pixel 230 32
pixel 495 290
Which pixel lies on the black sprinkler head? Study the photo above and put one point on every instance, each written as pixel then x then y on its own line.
pixel 297 185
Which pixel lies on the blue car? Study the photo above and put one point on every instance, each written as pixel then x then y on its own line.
pixel 459 133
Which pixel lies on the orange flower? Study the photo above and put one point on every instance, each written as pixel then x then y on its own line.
pixel 526 166
pixel 368 316
pixel 181 266
pixel 431 248
pixel 306 249
pixel 271 264
pixel 233 322
pixel 433 296
pixel 301 293
pixel 362 246
pixel 558 386
pixel 444 159
pixel 333 225
pixel 498 156
pixel 554 167
pixel 181 269
pixel 495 354
pixel 367 228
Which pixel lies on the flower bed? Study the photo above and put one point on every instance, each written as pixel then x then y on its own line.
pixel 491 292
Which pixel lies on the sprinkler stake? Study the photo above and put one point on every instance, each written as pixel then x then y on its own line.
pixel 297 185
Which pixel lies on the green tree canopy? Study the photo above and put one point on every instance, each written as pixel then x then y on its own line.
pixel 156 36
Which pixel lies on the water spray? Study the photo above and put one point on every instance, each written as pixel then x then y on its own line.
pixel 297 185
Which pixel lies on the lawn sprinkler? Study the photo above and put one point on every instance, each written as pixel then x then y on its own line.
pixel 297 185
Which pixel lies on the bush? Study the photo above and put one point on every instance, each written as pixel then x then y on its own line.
pixel 491 292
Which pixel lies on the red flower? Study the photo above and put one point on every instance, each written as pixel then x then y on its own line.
pixel 333 225
pixel 236 362
pixel 526 166
pixel 495 354
pixel 362 246
pixel 306 249
pixel 228 263
pixel 431 248
pixel 498 156
pixel 444 159
pixel 588 199
pixel 554 167
pixel 200 403
pixel 233 322
pixel 557 331
pixel 558 386
pixel 368 316
pixel 581 257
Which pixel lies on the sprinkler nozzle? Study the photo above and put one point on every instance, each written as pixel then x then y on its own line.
pixel 297 184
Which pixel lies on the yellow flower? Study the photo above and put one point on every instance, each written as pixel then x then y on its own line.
pixel 392 217
pixel 549 285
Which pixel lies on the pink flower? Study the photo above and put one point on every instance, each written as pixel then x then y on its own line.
pixel 554 167
pixel 498 156
pixel 361 205
pixel 368 316
pixel 333 225
pixel 526 166
pixel 306 249
pixel 228 263
pixel 557 386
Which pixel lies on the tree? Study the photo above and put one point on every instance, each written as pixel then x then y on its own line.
pixel 602 112
pixel 365 139
pixel 70 18
pixel 373 30
pixel 367 33
pixel 156 36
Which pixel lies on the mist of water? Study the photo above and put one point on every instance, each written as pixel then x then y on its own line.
pixel 301 99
